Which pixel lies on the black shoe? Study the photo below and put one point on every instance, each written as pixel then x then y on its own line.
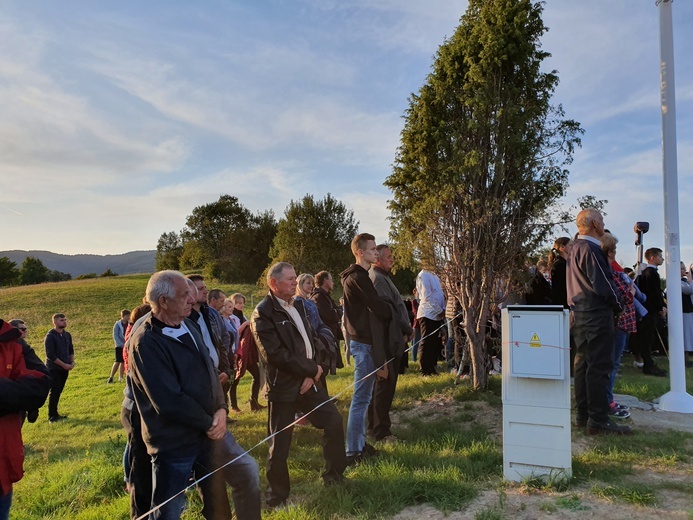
pixel 333 481
pixel 369 451
pixel 607 427
pixel 655 371
pixel 56 418
pixel 276 503
pixel 353 460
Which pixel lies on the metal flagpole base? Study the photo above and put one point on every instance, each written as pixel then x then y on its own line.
pixel 676 402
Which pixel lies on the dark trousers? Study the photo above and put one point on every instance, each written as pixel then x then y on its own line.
pixel 138 463
pixel 594 335
pixel 326 418
pixel 254 389
pixel 383 394
pixel 59 377
pixel 647 336
pixel 430 346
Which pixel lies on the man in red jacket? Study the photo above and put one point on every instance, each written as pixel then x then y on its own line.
pixel 20 389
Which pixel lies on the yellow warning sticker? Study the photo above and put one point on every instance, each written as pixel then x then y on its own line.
pixel 535 342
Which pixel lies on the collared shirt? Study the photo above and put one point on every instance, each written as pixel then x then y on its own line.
pixel 591 239
pixel 431 297
pixel 208 340
pixel 296 318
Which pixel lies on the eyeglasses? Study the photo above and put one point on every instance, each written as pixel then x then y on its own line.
pixel 22 328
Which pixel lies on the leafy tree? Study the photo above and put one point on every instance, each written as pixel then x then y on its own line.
pixel 482 160
pixel 168 251
pixel 108 273
pixel 315 235
pixel 33 271
pixel 227 241
pixel 9 274
pixel 57 276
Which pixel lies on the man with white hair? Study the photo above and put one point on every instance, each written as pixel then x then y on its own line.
pixel 286 343
pixel 181 404
pixel 594 300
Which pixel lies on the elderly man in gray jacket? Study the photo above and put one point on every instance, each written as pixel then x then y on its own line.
pixel 399 333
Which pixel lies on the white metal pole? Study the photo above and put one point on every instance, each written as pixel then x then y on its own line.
pixel 676 400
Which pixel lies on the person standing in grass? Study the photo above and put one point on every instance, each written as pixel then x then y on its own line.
pixel 119 338
pixel 20 389
pixel 60 360
pixel 286 343
pixel 399 333
pixel 182 408
pixel 594 300
pixel 364 311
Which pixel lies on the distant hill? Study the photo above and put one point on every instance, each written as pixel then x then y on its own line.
pixel 126 263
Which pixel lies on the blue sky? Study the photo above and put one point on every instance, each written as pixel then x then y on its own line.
pixel 119 118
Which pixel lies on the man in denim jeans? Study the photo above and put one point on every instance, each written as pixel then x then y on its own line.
pixel 182 409
pixel 364 312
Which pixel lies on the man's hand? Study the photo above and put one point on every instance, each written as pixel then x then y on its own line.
pixel 381 373
pixel 223 378
pixel 218 429
pixel 306 385
pixel 318 375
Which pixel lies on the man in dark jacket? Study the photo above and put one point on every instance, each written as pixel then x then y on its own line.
pixel 650 285
pixel 287 345
pixel 594 300
pixel 366 316
pixel 181 404
pixel 60 360
pixel 330 312
pixel 399 332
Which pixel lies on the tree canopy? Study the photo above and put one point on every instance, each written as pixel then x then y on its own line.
pixel 482 160
pixel 315 235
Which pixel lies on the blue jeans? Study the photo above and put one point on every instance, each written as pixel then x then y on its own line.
pixel 619 345
pixel 5 503
pixel 363 392
pixel 170 475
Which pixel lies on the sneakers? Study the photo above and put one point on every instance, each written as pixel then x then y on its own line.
pixel 368 452
pixel 56 418
pixel 607 427
pixel 110 381
pixel 619 414
pixel 638 364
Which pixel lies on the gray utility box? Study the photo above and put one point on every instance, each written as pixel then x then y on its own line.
pixel 536 392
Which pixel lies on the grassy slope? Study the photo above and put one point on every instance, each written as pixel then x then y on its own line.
pixel 73 468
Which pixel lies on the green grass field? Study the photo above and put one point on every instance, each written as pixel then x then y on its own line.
pixel 446 457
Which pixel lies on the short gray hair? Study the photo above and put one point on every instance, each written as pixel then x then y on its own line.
pixel 276 270
pixel 161 284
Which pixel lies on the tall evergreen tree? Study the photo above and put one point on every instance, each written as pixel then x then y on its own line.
pixel 482 160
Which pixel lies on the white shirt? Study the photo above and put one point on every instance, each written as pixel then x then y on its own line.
pixel 431 297
pixel 296 318
pixel 207 337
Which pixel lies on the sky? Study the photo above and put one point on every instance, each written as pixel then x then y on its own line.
pixel 118 118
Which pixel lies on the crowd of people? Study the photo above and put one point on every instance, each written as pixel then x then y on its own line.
pixel 183 351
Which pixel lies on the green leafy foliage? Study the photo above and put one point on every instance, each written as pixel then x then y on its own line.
pixel 482 160
pixel 315 235
pixel 9 274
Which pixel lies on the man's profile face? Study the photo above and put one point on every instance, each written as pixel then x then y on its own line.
pixel 201 291
pixel 284 287
pixel 598 224
pixel 218 303
pixel 370 253
pixel 385 260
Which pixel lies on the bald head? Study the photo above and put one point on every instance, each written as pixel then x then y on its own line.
pixel 590 222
